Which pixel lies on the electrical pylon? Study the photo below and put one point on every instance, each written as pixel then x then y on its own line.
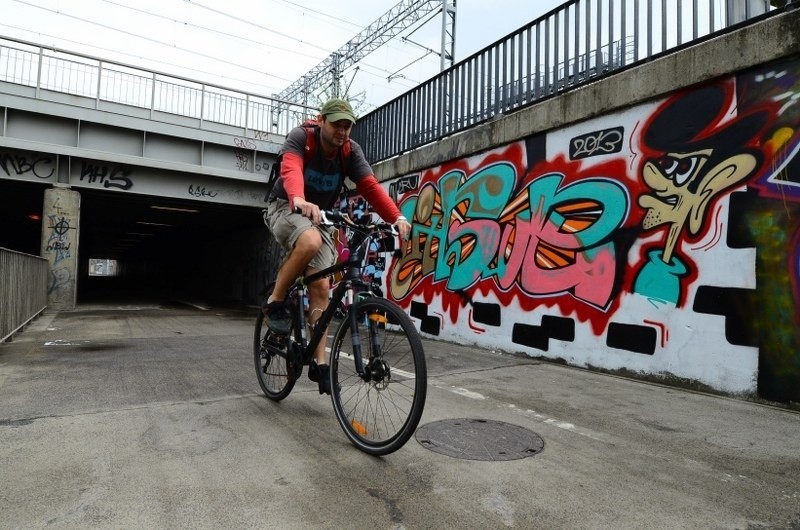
pixel 389 25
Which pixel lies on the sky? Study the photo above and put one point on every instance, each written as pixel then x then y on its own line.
pixel 260 46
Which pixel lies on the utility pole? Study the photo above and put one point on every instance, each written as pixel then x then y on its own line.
pixel 336 75
pixel 448 34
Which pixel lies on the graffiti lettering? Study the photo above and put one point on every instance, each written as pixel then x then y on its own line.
pixel 261 135
pixel 244 143
pixel 242 160
pixel 548 240
pixel 243 152
pixel 60 278
pixel 42 168
pixel 263 167
pixel 116 177
pixel 403 185
pixel 201 191
pixel 58 245
pixel 58 241
pixel 596 143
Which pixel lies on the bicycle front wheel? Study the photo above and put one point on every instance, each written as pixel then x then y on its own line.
pixel 380 409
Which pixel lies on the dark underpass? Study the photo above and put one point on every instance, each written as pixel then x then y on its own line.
pixel 156 249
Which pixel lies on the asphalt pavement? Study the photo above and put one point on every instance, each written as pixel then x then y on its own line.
pixel 150 416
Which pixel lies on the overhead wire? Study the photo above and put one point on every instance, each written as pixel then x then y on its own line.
pixel 409 81
pixel 302 9
pixel 326 15
pixel 155 61
pixel 391 77
pixel 213 30
pixel 200 54
pixel 259 26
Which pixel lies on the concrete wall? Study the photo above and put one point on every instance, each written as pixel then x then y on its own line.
pixel 646 224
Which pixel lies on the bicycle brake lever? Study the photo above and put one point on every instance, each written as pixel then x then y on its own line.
pixel 332 218
pixel 324 218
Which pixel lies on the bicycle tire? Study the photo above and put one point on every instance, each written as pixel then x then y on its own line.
pixel 270 355
pixel 380 415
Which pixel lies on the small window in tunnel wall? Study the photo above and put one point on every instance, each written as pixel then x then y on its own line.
pixel 102 267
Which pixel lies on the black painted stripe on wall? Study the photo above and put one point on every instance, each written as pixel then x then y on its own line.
pixel 538 337
pixel 632 337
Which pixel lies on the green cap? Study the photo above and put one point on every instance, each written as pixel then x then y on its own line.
pixel 338 109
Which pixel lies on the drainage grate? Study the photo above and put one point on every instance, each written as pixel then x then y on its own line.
pixel 474 439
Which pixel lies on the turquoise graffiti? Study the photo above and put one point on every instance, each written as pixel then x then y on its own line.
pixel 546 239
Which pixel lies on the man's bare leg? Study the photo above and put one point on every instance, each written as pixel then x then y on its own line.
pixel 305 248
pixel 317 304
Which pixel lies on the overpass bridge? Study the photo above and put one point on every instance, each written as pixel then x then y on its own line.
pixel 554 115
pixel 101 160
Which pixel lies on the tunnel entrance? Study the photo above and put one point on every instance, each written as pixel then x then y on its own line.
pixel 168 249
pixel 21 216
pixel 148 249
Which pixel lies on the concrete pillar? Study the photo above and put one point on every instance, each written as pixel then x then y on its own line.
pixel 60 228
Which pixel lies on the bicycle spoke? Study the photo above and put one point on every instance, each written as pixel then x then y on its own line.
pixel 272 369
pixel 380 409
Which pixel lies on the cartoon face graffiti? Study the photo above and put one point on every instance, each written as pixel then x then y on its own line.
pixel 683 187
pixel 700 159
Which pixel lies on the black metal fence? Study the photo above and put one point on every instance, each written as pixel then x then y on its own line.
pixel 572 45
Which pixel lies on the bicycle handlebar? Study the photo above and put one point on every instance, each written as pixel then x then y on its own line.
pixel 335 217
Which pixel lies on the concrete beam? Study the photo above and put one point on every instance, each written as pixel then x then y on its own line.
pixel 127 117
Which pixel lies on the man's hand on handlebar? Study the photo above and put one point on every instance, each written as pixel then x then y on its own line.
pixel 403 228
pixel 307 209
pixel 317 216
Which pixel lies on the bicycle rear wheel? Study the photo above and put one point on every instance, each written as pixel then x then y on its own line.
pixel 271 352
pixel 380 411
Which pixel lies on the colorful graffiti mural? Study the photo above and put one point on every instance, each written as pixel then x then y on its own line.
pixel 663 239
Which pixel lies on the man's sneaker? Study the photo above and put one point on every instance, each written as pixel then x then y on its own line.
pixel 279 320
pixel 319 373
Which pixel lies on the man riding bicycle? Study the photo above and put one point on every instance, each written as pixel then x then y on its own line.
pixel 310 182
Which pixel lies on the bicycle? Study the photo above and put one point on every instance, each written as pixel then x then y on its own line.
pixel 378 387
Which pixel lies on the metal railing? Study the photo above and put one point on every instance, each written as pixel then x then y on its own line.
pixel 570 46
pixel 23 290
pixel 49 69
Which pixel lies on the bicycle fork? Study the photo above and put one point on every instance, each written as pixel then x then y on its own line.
pixel 375 369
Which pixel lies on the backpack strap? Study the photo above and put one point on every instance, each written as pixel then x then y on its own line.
pixel 346 151
pixel 274 173
pixel 311 142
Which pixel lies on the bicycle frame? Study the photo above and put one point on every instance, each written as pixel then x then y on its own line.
pixel 349 287
pixel 379 399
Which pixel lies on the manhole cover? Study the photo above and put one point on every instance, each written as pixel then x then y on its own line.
pixel 474 439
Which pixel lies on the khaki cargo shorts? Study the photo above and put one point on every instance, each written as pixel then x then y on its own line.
pixel 286 227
